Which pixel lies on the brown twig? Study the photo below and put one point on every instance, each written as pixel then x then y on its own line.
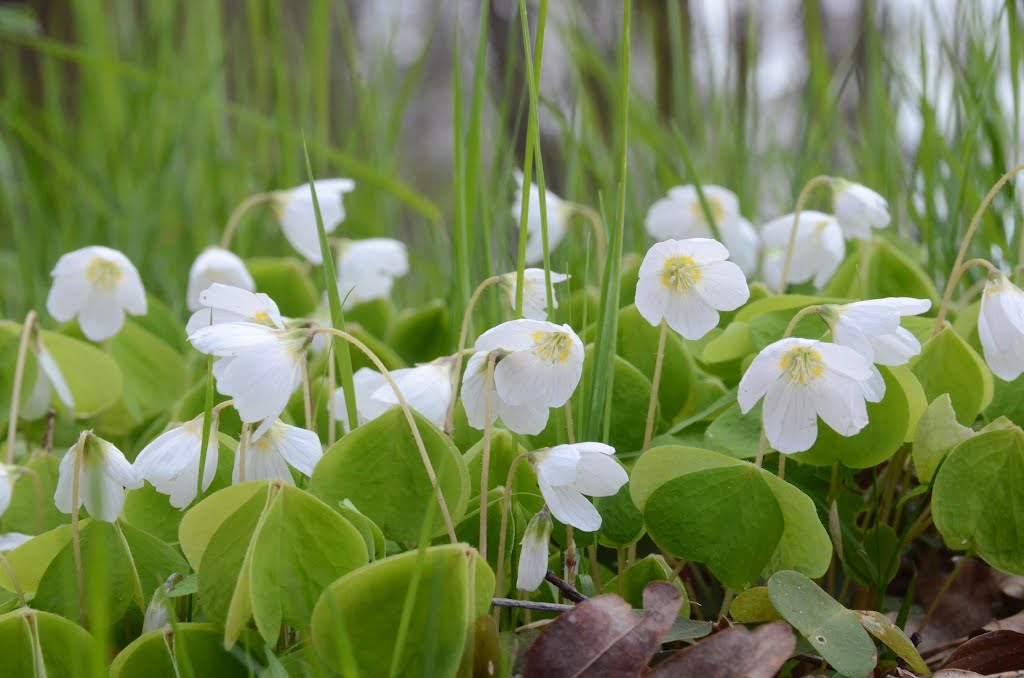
pixel 565 587
pixel 530 605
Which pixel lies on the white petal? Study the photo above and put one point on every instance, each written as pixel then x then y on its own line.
pixel 570 507
pixel 723 285
pixel 895 348
pixel 67 295
pixel 130 293
pixel 528 419
pixel 300 447
pixel 55 376
pixel 652 298
pixel 558 465
pixel 12 540
pixel 874 387
pixel 261 382
pixel 65 478
pixel 790 422
pixel 840 404
pixel 474 388
pixel 102 495
pixel 598 475
pixel 533 558
pixel 515 335
pixel 101 316
pixel 763 372
pixel 216 265
pixel 523 377
pixel 690 315
pixel 844 360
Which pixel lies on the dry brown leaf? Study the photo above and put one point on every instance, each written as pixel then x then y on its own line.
pixel 603 636
pixel 1013 623
pixel 733 653
pixel 992 652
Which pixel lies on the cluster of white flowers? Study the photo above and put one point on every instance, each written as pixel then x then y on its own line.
pixel 426 388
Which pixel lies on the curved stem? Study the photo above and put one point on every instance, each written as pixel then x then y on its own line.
pixel 307 394
pixel 597 228
pixel 820 180
pixel 457 369
pixel 801 314
pixel 506 506
pixel 19 376
pixel 652 405
pixel 427 464
pixel 332 385
pixel 220 406
pixel 762 447
pixel 485 455
pixel 239 212
pixel 76 534
pixel 954 278
pixel 947 295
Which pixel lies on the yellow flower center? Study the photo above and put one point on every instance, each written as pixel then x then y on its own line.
pixel 680 273
pixel 552 346
pixel 802 364
pixel 103 274
pixel 717 211
pixel 261 316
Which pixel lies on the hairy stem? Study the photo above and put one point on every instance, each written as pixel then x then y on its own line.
pixel 19 376
pixel 652 404
pixel 236 216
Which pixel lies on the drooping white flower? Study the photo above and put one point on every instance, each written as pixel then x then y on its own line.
pixel 49 378
pixel 817 252
pixel 6 487
pixel 269 457
pixel 216 265
pixel 802 379
pixel 1001 327
pixel 538 366
pixel 171 462
pixel 559 212
pixel 686 283
pixel 533 557
pixel 426 388
pixel 535 296
pixel 294 209
pixel 260 367
pixel 97 284
pixel 566 473
pixel 158 613
pixel 872 328
pixel 103 476
pixel 680 215
pixel 226 304
pixel 367 269
pixel 858 209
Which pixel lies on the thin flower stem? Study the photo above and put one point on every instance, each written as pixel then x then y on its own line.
pixel 821 180
pixel 243 444
pixel 19 376
pixel 801 314
pixel 652 404
pixel 332 385
pixel 571 567
pixel 762 447
pixel 221 406
pixel 427 464
pixel 14 580
pixel 570 427
pixel 140 597
pixel 485 455
pixel 506 506
pixel 597 228
pixel 238 213
pixel 954 277
pixel 942 592
pixel 76 534
pixel 595 567
pixel 307 393
pixel 449 419
pixel 782 467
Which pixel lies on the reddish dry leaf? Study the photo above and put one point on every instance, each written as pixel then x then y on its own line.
pixel 603 636
pixel 992 652
pixel 733 653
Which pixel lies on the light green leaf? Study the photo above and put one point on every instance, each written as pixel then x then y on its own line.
pixel 937 433
pixel 195 646
pixel 947 364
pixel 423 333
pixel 882 628
pixel 287 281
pixel 753 606
pixel 66 649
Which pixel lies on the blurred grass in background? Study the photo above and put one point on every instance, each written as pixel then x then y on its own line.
pixel 140 125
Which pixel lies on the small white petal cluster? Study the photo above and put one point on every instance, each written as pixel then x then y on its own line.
pixel 537 366
pixel 282 445
pixel 103 476
pixel 858 209
pixel 679 215
pixel 1001 327
pixel 221 304
pixel 216 265
pixel 426 388
pixel 294 209
pixel 533 558
pixel 566 473
pixel 535 296
pixel 802 379
pixel 171 462
pixel 260 367
pixel 817 252
pixel 98 285
pixel 367 269
pixel 558 220
pixel 686 282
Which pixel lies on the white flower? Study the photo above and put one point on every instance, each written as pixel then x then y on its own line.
pixel 12 540
pixel 268 458
pixel 227 304
pixel 567 472
pixel 535 296
pixel 1001 327
pixel 802 379
pixel 858 209
pixel 48 379
pixel 98 284
pixel 686 283
pixel 533 558
pixel 559 212
pixel 294 209
pixel 6 487
pixel 872 328
pixel 367 269
pixel 538 365
pixel 679 215
pixel 171 462
pixel 817 252
pixel 426 388
pixel 104 474
pixel 260 367
pixel 216 265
